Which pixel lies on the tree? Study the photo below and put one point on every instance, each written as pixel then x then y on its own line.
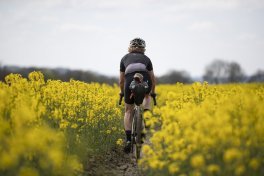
pixel 235 73
pixel 174 76
pixel 220 71
pixel 59 73
pixel 257 77
pixel 216 72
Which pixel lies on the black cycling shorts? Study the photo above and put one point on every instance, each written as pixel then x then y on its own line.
pixel 129 79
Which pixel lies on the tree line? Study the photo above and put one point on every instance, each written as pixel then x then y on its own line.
pixel 59 74
pixel 218 71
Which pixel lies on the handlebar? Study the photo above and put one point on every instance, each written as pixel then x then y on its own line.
pixel 153 95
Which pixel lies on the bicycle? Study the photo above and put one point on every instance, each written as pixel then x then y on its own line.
pixel 138 119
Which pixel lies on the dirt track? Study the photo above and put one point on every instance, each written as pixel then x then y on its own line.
pixel 114 163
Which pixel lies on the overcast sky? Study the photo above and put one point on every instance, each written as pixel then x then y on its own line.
pixel 95 34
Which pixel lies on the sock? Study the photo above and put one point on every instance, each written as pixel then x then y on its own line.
pixel 128 135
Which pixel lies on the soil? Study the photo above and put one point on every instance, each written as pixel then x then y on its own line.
pixel 114 163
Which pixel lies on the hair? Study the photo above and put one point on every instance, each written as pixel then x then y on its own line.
pixel 136 49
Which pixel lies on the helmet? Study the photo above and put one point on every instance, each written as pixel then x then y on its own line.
pixel 137 42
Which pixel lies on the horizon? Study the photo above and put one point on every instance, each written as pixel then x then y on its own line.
pixel 194 78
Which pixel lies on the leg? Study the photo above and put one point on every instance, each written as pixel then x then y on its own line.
pixel 128 126
pixel 128 116
pixel 147 102
pixel 129 104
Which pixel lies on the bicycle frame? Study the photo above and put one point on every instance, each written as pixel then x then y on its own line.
pixel 137 126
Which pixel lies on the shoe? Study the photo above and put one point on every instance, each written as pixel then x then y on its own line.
pixel 127 148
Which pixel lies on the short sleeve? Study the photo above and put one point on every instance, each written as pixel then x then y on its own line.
pixel 122 66
pixel 149 66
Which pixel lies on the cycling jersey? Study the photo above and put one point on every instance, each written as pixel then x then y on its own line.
pixel 133 63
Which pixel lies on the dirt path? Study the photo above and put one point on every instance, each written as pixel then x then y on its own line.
pixel 114 163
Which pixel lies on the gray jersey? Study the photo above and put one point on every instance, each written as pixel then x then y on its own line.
pixel 135 62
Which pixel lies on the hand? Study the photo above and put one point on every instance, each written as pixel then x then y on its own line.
pixel 153 94
pixel 121 94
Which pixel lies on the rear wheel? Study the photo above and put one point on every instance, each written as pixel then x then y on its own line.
pixel 138 133
pixel 133 133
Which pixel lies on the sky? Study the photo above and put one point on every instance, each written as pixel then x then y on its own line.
pixel 183 35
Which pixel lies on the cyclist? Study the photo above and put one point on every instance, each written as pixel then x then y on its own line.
pixel 135 62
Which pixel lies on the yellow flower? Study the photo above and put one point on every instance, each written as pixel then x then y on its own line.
pixel 74 125
pixel 64 124
pixel 173 168
pixel 156 164
pixel 254 164
pixel 28 171
pixel 232 154
pixel 213 169
pixel 189 129
pixel 119 142
pixel 240 170
pixel 197 161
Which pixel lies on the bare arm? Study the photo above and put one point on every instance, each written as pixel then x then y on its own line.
pixel 122 81
pixel 153 80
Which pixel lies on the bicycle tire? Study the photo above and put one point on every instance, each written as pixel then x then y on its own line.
pixel 138 133
pixel 133 134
